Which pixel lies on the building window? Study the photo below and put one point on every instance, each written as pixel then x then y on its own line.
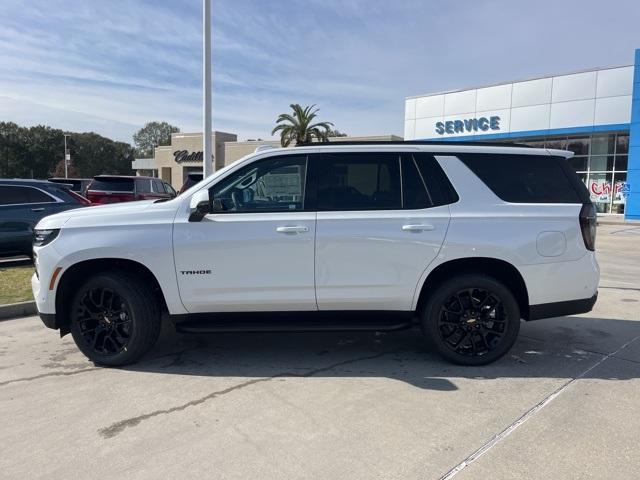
pixel 600 161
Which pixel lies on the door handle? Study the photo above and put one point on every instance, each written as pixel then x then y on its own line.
pixel 418 228
pixel 293 229
pixel 37 209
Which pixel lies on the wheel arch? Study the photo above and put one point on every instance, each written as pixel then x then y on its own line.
pixel 78 272
pixel 501 270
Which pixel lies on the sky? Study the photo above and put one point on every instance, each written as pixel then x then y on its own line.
pixel 111 66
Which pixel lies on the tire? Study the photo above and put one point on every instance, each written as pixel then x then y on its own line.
pixel 114 319
pixel 471 319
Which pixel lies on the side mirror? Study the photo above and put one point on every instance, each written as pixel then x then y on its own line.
pixel 199 205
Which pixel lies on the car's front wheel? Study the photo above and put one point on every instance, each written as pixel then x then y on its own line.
pixel 114 319
pixel 471 319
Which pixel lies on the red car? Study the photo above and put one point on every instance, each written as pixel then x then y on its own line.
pixel 119 188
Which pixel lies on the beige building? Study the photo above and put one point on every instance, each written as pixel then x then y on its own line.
pixel 174 162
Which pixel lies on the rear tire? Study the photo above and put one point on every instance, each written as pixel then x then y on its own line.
pixel 114 319
pixel 472 319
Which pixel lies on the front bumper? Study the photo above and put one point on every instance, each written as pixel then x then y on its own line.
pixel 560 309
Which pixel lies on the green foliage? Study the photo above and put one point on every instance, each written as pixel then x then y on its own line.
pixel 152 135
pixel 35 152
pixel 298 127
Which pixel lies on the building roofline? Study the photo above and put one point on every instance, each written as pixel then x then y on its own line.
pixel 586 70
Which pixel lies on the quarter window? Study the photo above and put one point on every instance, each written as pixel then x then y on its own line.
pixel 271 185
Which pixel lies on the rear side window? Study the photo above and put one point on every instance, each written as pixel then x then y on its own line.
pixel 359 181
pixel 112 185
pixel 414 191
pixel 440 190
pixel 527 178
pixel 15 195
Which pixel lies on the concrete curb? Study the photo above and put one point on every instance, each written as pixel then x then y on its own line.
pixel 14 310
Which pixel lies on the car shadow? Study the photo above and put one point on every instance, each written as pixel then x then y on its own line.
pixel 562 347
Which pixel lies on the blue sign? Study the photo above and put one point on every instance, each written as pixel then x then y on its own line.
pixel 470 125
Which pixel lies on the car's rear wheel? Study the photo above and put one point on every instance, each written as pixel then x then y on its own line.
pixel 471 319
pixel 114 319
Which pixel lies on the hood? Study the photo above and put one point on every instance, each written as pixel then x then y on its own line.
pixel 105 214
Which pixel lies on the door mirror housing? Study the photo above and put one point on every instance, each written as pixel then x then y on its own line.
pixel 199 206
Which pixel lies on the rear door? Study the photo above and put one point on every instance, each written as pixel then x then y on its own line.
pixel 379 226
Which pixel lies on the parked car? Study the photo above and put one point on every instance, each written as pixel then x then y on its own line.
pixel 22 204
pixel 78 185
pixel 120 188
pixel 460 240
pixel 192 179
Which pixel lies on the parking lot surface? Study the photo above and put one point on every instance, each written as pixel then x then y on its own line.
pixel 565 403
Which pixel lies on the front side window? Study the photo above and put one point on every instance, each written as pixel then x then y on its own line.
pixel 359 181
pixel 271 185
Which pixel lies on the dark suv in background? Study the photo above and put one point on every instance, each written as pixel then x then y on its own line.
pixel 78 185
pixel 119 188
pixel 23 203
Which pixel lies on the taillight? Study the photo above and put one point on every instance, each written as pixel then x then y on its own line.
pixel 588 225
pixel 79 198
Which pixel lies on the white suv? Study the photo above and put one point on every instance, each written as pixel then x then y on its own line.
pixel 464 240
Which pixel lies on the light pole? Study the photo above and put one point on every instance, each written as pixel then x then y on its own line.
pixel 207 167
pixel 67 157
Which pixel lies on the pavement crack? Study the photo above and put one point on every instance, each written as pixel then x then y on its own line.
pixel 117 428
pixel 50 374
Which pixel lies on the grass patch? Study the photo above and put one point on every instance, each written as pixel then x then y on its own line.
pixel 15 284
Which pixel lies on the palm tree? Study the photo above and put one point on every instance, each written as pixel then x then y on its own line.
pixel 298 127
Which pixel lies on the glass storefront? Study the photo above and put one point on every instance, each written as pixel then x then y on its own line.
pixel 600 161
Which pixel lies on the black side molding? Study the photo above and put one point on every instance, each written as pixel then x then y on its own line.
pixel 49 320
pixel 333 321
pixel 560 309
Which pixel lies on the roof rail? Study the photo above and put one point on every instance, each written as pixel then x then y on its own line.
pixel 488 143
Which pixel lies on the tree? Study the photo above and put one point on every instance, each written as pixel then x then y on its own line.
pixel 153 134
pixel 72 171
pixel 298 127
pixel 336 133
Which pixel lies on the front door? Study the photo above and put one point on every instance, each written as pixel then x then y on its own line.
pixel 378 228
pixel 255 253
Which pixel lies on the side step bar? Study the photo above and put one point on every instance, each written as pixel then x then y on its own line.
pixel 293 322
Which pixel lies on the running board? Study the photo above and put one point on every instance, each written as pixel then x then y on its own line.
pixel 293 322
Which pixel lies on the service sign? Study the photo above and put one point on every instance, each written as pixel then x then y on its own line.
pixel 468 125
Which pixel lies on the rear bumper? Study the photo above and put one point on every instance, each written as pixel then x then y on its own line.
pixel 560 309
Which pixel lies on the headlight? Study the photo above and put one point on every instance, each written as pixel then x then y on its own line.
pixel 44 237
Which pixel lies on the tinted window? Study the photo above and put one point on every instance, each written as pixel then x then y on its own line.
pixel 112 185
pixel 38 196
pixel 143 185
pixel 158 187
pixel 527 178
pixel 14 195
pixel 271 185
pixel 414 190
pixel 359 181
pixel 169 189
pixel 441 192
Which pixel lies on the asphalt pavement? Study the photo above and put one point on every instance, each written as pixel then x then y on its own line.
pixel 565 403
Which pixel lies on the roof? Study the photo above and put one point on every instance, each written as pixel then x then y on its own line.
pixel 27 181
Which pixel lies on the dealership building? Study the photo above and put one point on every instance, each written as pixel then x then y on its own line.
pixel 594 113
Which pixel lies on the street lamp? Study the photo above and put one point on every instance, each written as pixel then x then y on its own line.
pixel 67 157
pixel 207 167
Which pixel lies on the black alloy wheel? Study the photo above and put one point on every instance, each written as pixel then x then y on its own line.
pixel 115 318
pixel 471 320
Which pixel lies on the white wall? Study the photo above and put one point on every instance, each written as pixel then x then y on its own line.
pixel 585 99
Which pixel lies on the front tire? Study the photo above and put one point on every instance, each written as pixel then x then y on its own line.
pixel 472 319
pixel 114 319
